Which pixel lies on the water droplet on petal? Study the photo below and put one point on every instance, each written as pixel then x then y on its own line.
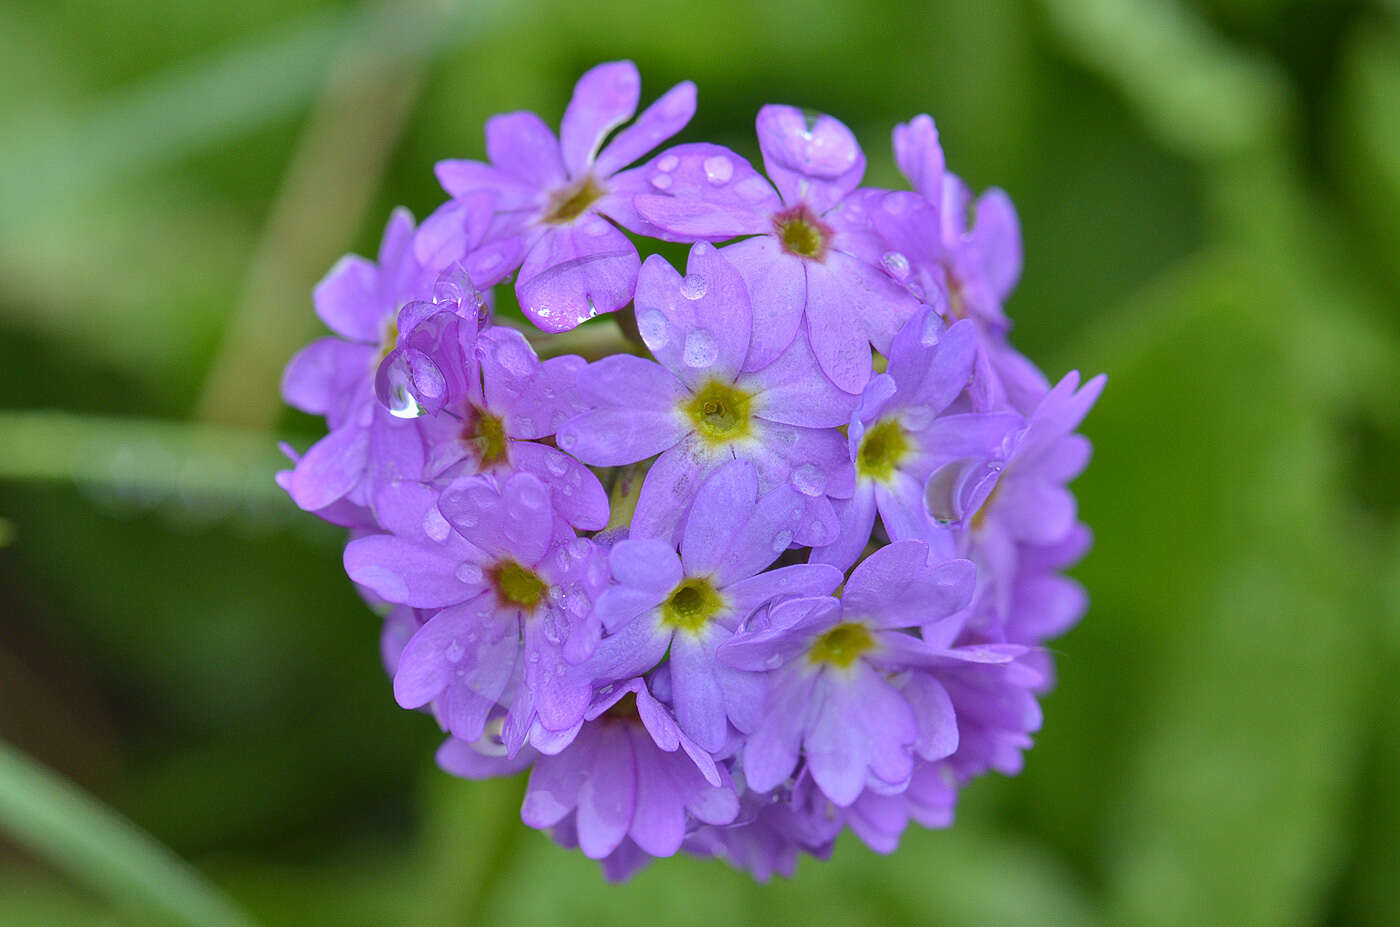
pixel 454 651
pixel 694 286
pixel 896 263
pixel 894 203
pixel 470 573
pixel 668 163
pixel 579 548
pixel 533 496
pixel 702 248
pixel 654 328
pixel 701 349
pixel 782 541
pixel 556 465
pixel 435 526
pixel 809 479
pixel 718 169
pixel 661 181
pixel 596 228
pixel 818 532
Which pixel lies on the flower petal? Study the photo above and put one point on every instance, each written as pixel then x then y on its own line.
pixel 658 122
pixel 575 272
pixel 818 164
pixel 520 144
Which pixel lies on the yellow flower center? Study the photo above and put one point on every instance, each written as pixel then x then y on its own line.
pixel 720 412
pixel 692 604
pixel 572 201
pixel 842 645
pixel 801 233
pixel 883 448
pixel 486 434
pixel 517 586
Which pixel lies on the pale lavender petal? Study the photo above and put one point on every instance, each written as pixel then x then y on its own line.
pixel 465 178
pixel 696 693
pixel 618 605
pixel 777 285
pixel 932 375
pixel 576 272
pixel 320 374
pixel 520 144
pixel 555 783
pixel 770 755
pixel 705 192
pixel 717 518
pixel 938 722
pixel 575 491
pixel 615 436
pixel 649 565
pixel 421 575
pixel 896 587
pixel 670 485
pixel 799 579
pixel 658 122
pixel 424 667
pixel 856 517
pixel 919 155
pixel 850 306
pixel 890 723
pixel 607 798
pixel 1035 511
pixel 793 390
pixel 347 299
pixel 818 164
pixel 658 821
pixel 996 242
pixel 698 325
pixel 634 650
pixel 453 230
pixel 461 758
pixel 604 98
pixel 331 468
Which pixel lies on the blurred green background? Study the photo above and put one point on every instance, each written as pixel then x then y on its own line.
pixel 1210 196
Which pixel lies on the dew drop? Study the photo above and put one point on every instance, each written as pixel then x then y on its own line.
pixel 525 425
pixel 661 181
pixel 718 169
pixel 454 651
pixel 654 328
pixel 701 248
pixel 556 465
pixel 701 349
pixel 596 228
pixel 809 479
pixel 694 286
pixel 470 573
pixel 533 496
pixel 896 263
pixel 435 526
pixel 668 163
pixel 579 548
pixel 781 541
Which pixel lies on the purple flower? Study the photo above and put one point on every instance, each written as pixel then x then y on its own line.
pixel 508 582
pixel 554 197
pixel 690 604
pixel 812 254
pixel 630 774
pixel 975 267
pixel 698 409
pixel 829 700
pixel 1017 495
pixel 502 419
pixel 900 432
pixel 359 300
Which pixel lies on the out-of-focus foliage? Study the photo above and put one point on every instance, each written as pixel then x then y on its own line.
pixel 1209 192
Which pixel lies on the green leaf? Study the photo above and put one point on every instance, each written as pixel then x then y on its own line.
pixel 102 850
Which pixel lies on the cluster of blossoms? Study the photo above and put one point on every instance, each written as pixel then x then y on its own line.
pixel 783 563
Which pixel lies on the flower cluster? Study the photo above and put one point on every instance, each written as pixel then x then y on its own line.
pixel 782 562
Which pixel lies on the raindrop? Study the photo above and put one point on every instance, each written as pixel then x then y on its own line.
pixel 809 479
pixel 668 163
pixel 435 526
pixel 818 532
pixel 470 573
pixel 525 425
pixel 718 169
pixel 533 496
pixel 896 263
pixel 694 286
pixel 556 465
pixel 701 349
pixel 454 651
pixel 781 541
pixel 654 328
pixel 596 228
pixel 661 181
